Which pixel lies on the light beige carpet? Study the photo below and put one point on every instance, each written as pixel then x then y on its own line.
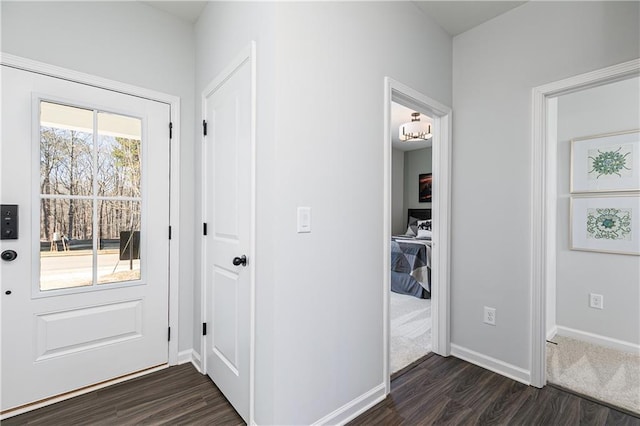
pixel 603 373
pixel 410 330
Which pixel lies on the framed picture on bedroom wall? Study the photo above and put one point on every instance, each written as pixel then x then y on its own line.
pixel 606 224
pixel 606 163
pixel 424 188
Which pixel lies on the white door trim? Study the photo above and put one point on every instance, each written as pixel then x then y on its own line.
pixel 543 197
pixel 247 54
pixel 441 114
pixel 174 213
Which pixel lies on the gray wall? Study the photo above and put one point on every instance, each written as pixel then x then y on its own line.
pixel 415 163
pixel 406 168
pixel 611 108
pixel 129 42
pixel 495 67
pixel 398 215
pixel 317 352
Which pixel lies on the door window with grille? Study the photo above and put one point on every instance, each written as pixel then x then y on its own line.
pixel 90 197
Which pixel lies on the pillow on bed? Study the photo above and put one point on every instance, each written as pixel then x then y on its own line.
pixel 412 229
pixel 423 234
pixel 424 224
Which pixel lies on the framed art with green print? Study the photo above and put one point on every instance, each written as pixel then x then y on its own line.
pixel 606 163
pixel 606 223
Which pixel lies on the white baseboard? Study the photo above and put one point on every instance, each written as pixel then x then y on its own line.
pixel 552 333
pixel 184 356
pixel 597 339
pixel 354 408
pixel 196 360
pixel 190 356
pixel 508 370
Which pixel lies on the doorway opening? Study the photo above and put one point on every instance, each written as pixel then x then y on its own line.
pixel 425 262
pixel 411 184
pixel 576 318
pixel 596 272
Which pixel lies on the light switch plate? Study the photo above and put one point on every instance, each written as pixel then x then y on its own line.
pixel 304 220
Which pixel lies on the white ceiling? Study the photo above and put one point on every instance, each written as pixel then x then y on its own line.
pixel 456 17
pixel 399 115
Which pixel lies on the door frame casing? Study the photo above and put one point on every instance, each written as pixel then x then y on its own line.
pixel 395 91
pixel 246 54
pixel 543 196
pixel 37 67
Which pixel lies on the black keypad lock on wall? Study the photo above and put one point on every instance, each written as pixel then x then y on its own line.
pixel 9 221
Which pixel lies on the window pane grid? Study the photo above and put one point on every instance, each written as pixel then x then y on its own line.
pixel 90 174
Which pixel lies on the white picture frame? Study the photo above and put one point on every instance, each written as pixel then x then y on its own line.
pixel 606 224
pixel 606 163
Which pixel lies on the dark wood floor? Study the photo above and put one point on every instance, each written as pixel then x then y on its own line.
pixel 174 396
pixel 450 391
pixel 435 391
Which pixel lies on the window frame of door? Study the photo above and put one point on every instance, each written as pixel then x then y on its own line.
pixel 544 197
pixel 395 91
pixel 36 291
pixel 42 68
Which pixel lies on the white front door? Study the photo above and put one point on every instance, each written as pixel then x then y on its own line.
pixel 228 204
pixel 86 299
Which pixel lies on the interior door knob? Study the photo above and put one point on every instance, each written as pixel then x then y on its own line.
pixel 240 260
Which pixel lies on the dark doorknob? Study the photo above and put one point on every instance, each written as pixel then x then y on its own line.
pixel 240 260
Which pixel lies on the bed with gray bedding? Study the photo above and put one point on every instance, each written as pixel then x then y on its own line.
pixel 411 257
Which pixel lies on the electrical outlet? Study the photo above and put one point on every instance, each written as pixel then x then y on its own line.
pixel 596 301
pixel 489 315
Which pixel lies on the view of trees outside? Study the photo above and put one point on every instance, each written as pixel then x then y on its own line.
pixel 88 185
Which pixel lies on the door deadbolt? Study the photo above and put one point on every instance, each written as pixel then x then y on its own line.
pixel 9 255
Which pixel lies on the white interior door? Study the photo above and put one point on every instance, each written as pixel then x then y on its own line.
pixel 228 204
pixel 86 300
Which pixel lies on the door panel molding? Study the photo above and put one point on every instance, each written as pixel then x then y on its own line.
pixel 25 64
pixel 111 322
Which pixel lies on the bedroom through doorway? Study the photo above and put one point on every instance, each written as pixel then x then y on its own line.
pixel 411 202
pixel 438 270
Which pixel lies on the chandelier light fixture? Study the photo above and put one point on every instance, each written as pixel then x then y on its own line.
pixel 415 129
